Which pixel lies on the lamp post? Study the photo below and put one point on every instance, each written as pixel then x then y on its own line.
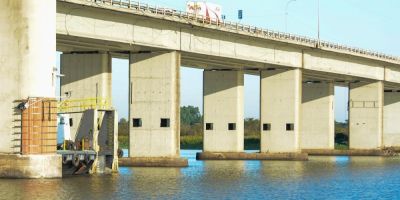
pixel 286 13
pixel 319 43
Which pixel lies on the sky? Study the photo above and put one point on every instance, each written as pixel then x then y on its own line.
pixel 368 24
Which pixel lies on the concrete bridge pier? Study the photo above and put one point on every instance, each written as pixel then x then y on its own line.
pixel 391 119
pixel 317 116
pixel 27 61
pixel 154 110
pixel 87 84
pixel 366 115
pixel 280 112
pixel 280 115
pixel 87 76
pixel 223 110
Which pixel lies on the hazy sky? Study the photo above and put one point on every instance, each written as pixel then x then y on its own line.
pixel 369 24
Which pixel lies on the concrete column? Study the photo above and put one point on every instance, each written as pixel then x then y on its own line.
pixel 280 106
pixel 223 111
pixel 365 115
pixel 391 119
pixel 86 75
pixel 317 116
pixel 27 61
pixel 154 105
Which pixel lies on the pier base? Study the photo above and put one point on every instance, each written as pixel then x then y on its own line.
pixel 351 152
pixel 252 156
pixel 153 162
pixel 30 166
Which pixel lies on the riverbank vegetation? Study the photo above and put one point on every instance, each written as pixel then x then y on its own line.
pixel 192 132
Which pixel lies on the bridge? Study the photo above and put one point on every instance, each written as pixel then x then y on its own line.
pixel 297 77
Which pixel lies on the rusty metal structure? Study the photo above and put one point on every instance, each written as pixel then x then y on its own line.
pixel 38 125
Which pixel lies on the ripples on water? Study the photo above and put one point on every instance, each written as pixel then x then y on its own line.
pixel 318 178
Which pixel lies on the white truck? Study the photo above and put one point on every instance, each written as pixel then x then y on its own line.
pixel 207 10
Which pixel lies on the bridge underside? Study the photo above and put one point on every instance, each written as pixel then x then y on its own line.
pixel 71 44
pixel 307 88
pixel 297 81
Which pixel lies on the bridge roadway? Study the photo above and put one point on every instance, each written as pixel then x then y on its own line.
pixel 88 26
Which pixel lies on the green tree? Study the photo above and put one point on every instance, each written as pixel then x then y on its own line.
pixel 251 126
pixel 123 128
pixel 190 115
pixel 342 133
pixel 191 121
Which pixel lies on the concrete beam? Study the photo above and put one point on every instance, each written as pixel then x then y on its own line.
pixel 154 105
pixel 317 116
pixel 346 65
pixel 223 111
pixel 86 76
pixel 365 115
pixel 392 74
pixel 391 119
pixel 280 105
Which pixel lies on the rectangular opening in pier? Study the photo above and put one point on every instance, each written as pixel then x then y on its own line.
pixel 164 122
pixel 289 126
pixel 137 122
pixel 209 126
pixel 266 127
pixel 231 126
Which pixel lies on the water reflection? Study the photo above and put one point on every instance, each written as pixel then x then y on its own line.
pixel 282 170
pixel 340 160
pixel 32 189
pixel 156 182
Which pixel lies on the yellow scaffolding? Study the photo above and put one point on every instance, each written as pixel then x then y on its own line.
pixel 80 105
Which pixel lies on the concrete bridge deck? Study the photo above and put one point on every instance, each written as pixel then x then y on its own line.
pixel 100 26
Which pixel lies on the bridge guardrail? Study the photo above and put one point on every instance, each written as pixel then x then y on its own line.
pixel 80 105
pixel 270 34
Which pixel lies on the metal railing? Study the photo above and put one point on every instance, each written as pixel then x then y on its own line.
pixel 237 27
pixel 80 105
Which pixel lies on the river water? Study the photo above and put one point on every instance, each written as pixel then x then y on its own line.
pixel 318 178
